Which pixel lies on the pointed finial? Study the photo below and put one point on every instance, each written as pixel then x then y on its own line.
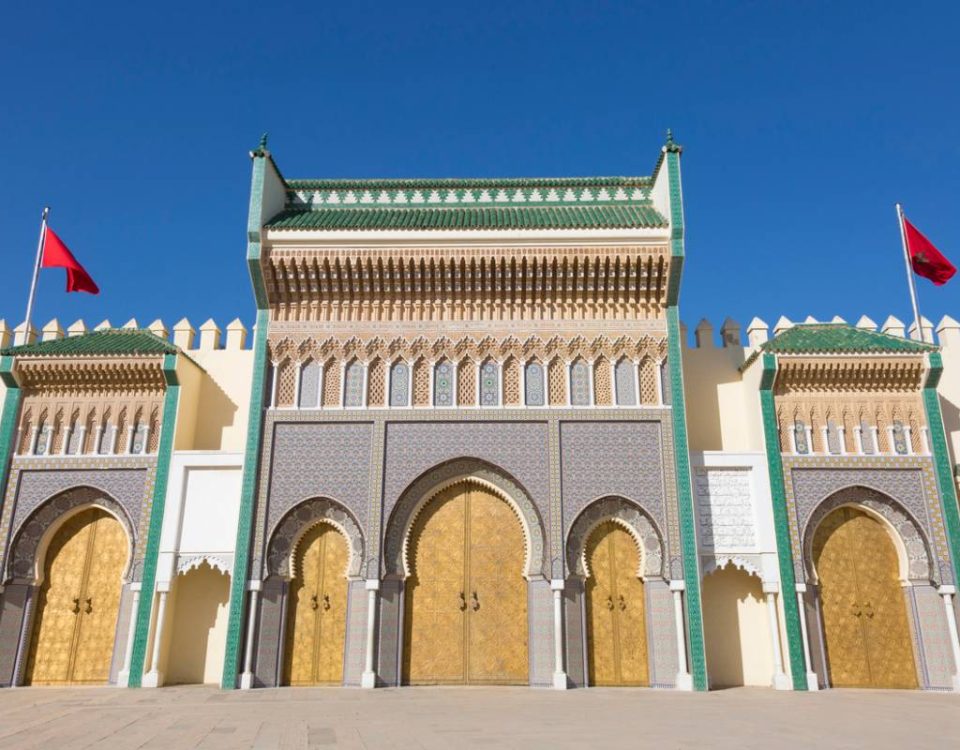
pixel 263 141
pixel 261 149
pixel 669 137
pixel 671 145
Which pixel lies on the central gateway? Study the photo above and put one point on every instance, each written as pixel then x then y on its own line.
pixel 466 598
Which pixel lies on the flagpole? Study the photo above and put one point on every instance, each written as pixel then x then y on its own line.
pixel 910 280
pixel 36 271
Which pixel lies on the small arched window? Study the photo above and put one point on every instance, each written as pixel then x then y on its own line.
pixel 800 437
pixel 399 384
pixel 489 384
pixel 353 388
pixel 579 383
pixel 625 377
pixel 899 439
pixel 443 384
pixel 535 392
pixel 309 394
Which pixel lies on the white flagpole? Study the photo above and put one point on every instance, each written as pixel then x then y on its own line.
pixel 910 280
pixel 36 270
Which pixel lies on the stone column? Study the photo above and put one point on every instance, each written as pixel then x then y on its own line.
pixel 246 678
pixel 780 679
pixel 684 680
pixel 948 592
pixel 154 678
pixel 811 675
pixel 123 678
pixel 26 632
pixel 369 677
pixel 559 674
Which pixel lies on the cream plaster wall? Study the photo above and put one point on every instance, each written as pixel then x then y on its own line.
pixel 198 626
pixel 949 388
pixel 191 380
pixel 736 629
pixel 224 397
pixel 717 397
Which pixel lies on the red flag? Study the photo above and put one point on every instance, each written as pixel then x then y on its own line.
pixel 56 255
pixel 926 260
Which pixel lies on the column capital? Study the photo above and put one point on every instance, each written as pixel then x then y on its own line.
pixel 558 584
pixel 254 585
pixel 678 585
pixel 771 587
pixel 801 588
pixel 947 590
pixel 372 584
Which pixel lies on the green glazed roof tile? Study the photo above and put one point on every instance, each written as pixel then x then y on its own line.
pixel 109 342
pixel 837 338
pixel 468 183
pixel 513 217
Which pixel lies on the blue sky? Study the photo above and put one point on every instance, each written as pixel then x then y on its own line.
pixel 802 124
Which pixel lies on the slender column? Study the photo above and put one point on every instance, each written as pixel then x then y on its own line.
pixel 908 438
pixel 146 439
pixel 811 675
pixel 592 401
pixel 16 441
pixel 154 678
pixel 780 679
pixel 82 440
pixel 809 430
pixel 559 674
pixel 129 448
pixel 34 438
pixel 273 383
pixel 842 433
pixel 876 439
pixel 684 680
pixel 948 592
pixel 369 677
pixel 26 632
pixel 659 380
pixel 636 382
pixel 246 679
pixel 825 437
pixel 925 441
pixel 123 679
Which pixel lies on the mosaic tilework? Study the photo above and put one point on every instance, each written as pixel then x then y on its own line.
pixel 661 635
pixel 519 448
pixel 576 637
pixel 309 395
pixel 534 385
pixel 23 548
pixel 633 518
pixel 316 459
pixel 356 633
pixel 126 479
pixel 399 384
pixel 283 540
pixel 540 633
pixel 808 480
pixel 579 383
pixel 626 380
pixel 611 458
pixel 920 567
pixel 443 384
pixel 489 384
pixel 411 501
pixel 674 556
pixel 934 636
pixel 353 387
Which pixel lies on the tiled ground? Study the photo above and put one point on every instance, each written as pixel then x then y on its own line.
pixel 450 718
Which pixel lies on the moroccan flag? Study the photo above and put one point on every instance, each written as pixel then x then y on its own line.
pixel 56 255
pixel 926 260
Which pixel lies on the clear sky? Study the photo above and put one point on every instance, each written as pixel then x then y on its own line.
pixel 802 123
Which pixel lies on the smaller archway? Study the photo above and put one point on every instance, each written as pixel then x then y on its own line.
pixel 198 635
pixel 736 628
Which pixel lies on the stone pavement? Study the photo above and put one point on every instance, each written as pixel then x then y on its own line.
pixel 454 718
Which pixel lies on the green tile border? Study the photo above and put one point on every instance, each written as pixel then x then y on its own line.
pixel 941 460
pixel 171 401
pixel 688 531
pixel 8 421
pixel 251 454
pixel 788 583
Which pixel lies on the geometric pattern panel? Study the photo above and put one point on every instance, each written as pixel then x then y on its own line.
pixel 611 458
pixel 303 517
pixel 626 379
pixel 399 384
pixel 533 385
pixel 626 513
pixel 319 459
pixel 725 508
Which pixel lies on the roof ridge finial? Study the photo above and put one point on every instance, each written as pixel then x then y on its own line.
pixel 261 149
pixel 671 145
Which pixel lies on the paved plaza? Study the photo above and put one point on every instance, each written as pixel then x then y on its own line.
pixel 447 718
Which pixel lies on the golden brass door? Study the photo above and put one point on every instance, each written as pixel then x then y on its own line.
pixel 864 612
pixel 466 598
pixel 78 603
pixel 616 625
pixel 317 619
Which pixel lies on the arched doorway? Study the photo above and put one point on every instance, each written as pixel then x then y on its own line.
pixel 865 623
pixel 317 609
pixel 199 629
pixel 736 629
pixel 78 602
pixel 616 623
pixel 465 618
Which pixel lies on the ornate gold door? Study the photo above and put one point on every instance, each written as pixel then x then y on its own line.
pixel 616 625
pixel 466 598
pixel 864 612
pixel 79 601
pixel 318 609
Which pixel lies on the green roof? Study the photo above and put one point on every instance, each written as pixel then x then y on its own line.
pixel 513 217
pixel 109 342
pixel 487 203
pixel 838 338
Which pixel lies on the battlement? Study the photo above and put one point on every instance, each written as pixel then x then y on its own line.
pixel 211 337
pixel 945 334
